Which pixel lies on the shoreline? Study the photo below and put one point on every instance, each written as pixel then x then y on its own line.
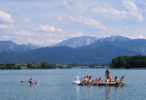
pixel 77 68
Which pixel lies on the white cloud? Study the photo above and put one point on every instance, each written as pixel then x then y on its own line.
pixel 5 17
pixel 93 23
pixel 47 39
pixel 6 21
pixel 50 29
pixel 133 10
pixel 109 12
pixel 90 22
pixel 128 10
pixel 79 17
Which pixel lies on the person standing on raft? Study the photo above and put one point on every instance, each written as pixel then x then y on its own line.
pixel 108 76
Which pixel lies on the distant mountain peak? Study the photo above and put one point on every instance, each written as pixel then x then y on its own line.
pixel 78 41
pixel 10 46
pixel 116 38
pixel 7 42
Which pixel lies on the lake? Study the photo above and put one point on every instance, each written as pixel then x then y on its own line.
pixel 57 85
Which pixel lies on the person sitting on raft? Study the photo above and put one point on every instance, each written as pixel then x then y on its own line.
pixel 87 80
pixel 110 77
pixel 98 81
pixel 121 79
pixel 84 80
pixel 116 79
pixel 90 80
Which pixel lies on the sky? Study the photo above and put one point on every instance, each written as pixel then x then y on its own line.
pixel 47 22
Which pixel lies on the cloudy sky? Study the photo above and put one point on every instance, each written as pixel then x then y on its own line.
pixel 46 22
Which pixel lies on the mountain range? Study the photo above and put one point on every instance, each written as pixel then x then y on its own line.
pixel 9 46
pixel 80 50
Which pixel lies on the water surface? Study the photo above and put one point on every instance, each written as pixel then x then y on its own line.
pixel 57 85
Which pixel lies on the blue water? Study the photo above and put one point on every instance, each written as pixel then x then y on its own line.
pixel 57 85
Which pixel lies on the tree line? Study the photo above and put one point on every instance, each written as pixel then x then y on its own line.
pixel 129 62
pixel 46 65
pixel 42 65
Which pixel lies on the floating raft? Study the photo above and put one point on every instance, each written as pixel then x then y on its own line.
pixel 100 84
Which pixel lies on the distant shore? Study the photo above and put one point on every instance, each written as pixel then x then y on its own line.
pixel 122 62
pixel 45 65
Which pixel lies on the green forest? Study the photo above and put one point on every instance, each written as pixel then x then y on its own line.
pixel 129 62
pixel 43 65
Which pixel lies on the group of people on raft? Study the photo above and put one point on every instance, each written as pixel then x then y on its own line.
pixel 88 80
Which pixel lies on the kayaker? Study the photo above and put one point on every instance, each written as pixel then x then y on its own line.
pixel 22 81
pixel 30 82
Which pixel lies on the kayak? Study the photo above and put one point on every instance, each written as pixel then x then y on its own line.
pixel 27 82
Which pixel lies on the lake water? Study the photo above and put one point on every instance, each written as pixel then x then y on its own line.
pixel 57 85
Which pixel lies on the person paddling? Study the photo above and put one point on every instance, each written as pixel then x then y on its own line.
pixel 30 82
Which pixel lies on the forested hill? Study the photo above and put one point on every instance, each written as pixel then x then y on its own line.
pixel 129 62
